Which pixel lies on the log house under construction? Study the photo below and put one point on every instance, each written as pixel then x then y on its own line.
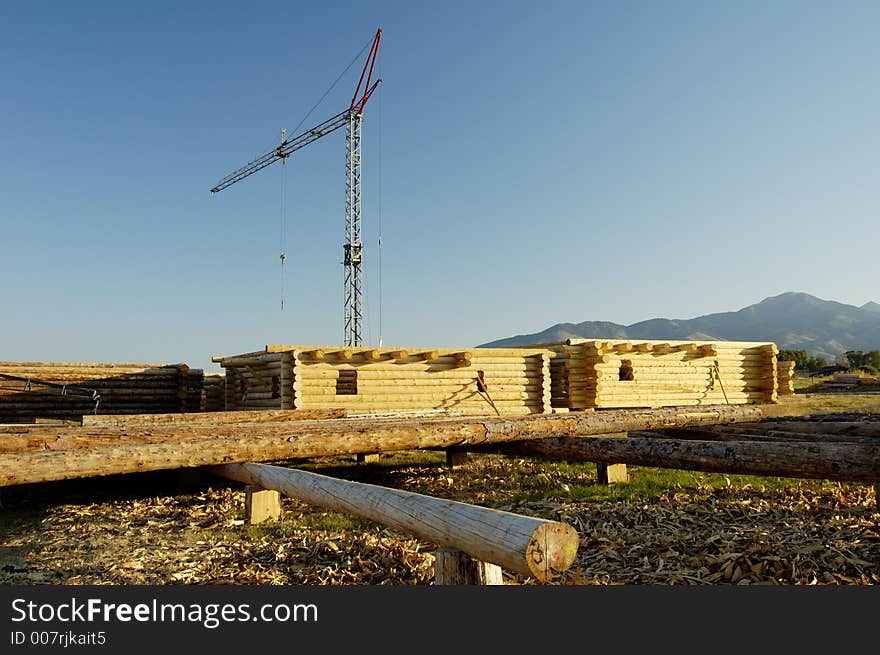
pixel 602 373
pixel 503 381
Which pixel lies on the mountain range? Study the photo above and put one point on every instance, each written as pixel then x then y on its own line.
pixel 797 321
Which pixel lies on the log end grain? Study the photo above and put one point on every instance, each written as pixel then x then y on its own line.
pixel 551 549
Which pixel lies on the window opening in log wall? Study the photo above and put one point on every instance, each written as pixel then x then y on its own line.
pixel 626 371
pixel 347 383
pixel 276 386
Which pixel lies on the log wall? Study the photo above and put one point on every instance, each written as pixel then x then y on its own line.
pixel 588 374
pixel 123 389
pixel 512 380
pixel 214 396
pixel 785 378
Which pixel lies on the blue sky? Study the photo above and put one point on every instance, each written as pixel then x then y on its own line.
pixel 530 163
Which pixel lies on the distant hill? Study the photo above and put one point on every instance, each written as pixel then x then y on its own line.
pixel 792 320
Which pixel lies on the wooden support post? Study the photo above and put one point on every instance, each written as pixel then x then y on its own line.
pixel 456 457
pixel 611 473
pixel 261 505
pixel 530 546
pixel 454 567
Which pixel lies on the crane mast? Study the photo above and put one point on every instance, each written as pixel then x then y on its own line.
pixel 352 247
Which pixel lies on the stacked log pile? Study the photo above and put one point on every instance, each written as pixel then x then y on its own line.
pixel 615 373
pixel 120 389
pixel 258 380
pixel 785 378
pixel 505 381
pixel 214 396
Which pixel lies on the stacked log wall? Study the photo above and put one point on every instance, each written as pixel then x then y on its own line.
pixel 785 378
pixel 214 397
pixel 253 381
pixel 513 381
pixel 122 389
pixel 589 374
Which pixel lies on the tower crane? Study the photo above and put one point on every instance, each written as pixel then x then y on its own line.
pixel 351 117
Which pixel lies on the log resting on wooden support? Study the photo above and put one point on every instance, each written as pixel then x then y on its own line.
pixel 112 451
pixel 820 461
pixel 529 546
pixel 855 428
pixel 731 433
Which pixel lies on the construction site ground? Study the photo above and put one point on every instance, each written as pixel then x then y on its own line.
pixel 666 527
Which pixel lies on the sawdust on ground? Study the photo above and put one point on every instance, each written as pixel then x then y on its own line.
pixel 158 529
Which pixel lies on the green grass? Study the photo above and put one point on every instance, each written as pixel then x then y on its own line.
pixel 562 482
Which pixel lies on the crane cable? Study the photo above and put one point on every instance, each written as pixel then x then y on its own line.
pixel 283 227
pixel 283 230
pixel 332 86
pixel 379 199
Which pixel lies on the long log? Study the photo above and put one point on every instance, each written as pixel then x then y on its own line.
pixel 818 461
pixel 525 351
pixel 709 434
pixel 215 418
pixel 421 369
pixel 416 380
pixel 536 406
pixel 368 396
pixel 529 546
pixel 179 447
pixel 861 428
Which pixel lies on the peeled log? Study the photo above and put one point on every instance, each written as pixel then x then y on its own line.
pixel 183 446
pixel 722 434
pixel 825 461
pixel 860 428
pixel 529 546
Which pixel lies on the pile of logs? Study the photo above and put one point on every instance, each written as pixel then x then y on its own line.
pixel 117 389
pixel 214 393
pixel 785 378
pixel 589 373
pixel 504 381
pixel 257 380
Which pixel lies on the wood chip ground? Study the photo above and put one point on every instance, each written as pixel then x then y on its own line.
pixel 157 529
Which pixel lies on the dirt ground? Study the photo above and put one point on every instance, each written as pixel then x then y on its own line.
pixel 170 528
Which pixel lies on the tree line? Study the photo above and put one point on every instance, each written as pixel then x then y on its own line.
pixel 854 360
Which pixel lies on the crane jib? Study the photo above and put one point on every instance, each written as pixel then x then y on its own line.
pixel 284 150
